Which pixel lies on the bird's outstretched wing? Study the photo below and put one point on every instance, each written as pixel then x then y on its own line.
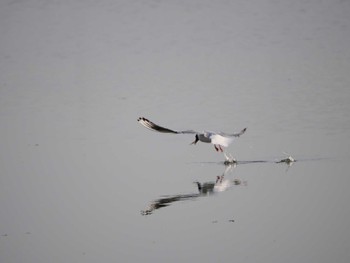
pixel 154 127
pixel 225 139
pixel 233 134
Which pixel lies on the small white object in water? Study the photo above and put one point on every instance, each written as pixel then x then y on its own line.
pixel 289 160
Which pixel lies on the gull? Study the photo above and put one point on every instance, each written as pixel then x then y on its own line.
pixel 219 139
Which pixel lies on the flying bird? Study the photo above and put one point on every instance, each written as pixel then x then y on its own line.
pixel 219 139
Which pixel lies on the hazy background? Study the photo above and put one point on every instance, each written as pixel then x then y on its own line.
pixel 76 168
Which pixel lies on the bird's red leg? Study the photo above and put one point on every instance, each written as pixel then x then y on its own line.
pixel 221 148
pixel 216 148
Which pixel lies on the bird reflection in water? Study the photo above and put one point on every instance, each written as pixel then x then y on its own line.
pixel 221 184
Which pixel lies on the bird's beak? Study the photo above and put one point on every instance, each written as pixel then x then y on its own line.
pixel 195 141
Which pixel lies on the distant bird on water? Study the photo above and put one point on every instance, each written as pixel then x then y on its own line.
pixel 219 139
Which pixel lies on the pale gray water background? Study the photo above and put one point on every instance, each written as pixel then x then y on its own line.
pixel 76 169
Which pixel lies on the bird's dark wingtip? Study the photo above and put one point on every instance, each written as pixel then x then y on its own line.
pixel 152 126
pixel 240 133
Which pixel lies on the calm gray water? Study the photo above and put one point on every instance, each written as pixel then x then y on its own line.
pixel 82 181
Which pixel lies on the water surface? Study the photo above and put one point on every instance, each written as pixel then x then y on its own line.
pixel 82 181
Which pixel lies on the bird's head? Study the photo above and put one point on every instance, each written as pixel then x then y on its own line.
pixel 195 140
